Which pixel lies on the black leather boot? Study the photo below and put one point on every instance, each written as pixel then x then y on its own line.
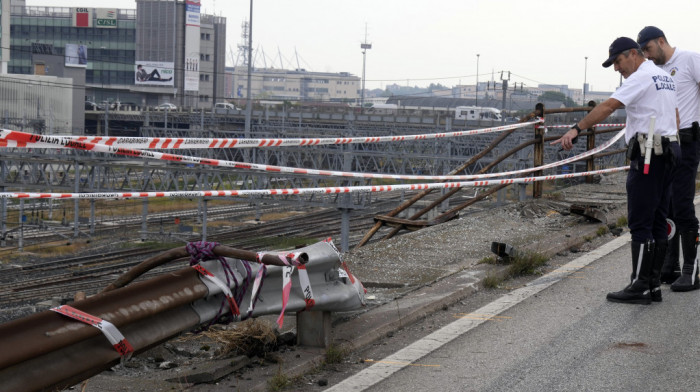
pixel 671 269
pixel 659 260
pixel 688 280
pixel 638 291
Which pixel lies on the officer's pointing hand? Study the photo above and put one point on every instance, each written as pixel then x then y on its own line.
pixel 566 140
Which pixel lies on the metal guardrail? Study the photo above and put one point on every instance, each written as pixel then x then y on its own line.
pixel 48 351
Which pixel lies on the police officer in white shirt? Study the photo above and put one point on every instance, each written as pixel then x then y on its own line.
pixel 649 97
pixel 684 67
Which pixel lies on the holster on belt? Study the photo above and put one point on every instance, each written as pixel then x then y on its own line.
pixel 633 149
pixel 691 134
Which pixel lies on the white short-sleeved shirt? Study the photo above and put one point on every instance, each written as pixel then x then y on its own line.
pixel 649 91
pixel 684 67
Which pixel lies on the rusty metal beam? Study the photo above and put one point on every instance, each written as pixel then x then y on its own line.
pixel 47 331
pixel 181 252
pixel 368 236
pixel 71 364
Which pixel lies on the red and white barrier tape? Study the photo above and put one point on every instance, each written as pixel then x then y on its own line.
pixel 302 191
pixel 47 140
pixel 110 331
pixel 291 260
pixel 233 306
pixel 569 126
pixel 286 290
pixel 149 143
pixel 255 291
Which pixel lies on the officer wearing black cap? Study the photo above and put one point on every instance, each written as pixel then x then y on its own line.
pixel 684 67
pixel 649 98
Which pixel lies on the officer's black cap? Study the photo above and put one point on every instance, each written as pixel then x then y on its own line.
pixel 647 34
pixel 618 46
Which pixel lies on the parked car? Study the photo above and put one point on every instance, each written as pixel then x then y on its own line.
pixel 224 105
pixel 166 106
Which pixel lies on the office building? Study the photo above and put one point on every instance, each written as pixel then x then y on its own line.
pixel 294 85
pixel 162 51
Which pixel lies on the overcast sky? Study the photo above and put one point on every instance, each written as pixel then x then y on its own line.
pixel 421 42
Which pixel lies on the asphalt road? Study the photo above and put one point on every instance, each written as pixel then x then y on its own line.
pixel 557 333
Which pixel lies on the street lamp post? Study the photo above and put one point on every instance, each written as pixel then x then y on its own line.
pixel 364 56
pixel 249 101
pixel 476 101
pixel 585 69
pixel 364 46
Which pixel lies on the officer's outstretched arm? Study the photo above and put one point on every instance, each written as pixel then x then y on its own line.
pixel 600 113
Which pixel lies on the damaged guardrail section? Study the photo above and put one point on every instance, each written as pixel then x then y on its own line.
pixel 59 348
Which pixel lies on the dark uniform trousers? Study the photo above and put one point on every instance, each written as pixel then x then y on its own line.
pixel 648 195
pixel 682 210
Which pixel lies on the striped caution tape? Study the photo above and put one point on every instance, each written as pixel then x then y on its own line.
pixel 291 260
pixel 9 138
pixel 110 331
pixel 302 191
pixel 224 288
pixel 257 285
pixel 284 169
pixel 569 126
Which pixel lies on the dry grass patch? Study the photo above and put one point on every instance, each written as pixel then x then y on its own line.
pixel 252 337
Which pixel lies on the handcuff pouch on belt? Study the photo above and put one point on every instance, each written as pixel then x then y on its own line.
pixel 691 134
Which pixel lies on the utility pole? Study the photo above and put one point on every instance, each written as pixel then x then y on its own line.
pixel 364 46
pixel 505 77
pixel 249 102
pixel 476 101
pixel 585 70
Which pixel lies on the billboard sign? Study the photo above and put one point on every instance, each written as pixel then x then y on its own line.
pixel 81 17
pixel 192 12
pixel 106 18
pixel 154 73
pixel 76 55
pixel 191 73
pixel 192 49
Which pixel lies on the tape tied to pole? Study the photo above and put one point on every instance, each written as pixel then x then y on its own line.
pixel 201 251
pixel 224 288
pixel 110 331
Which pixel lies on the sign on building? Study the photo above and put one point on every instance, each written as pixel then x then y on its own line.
pixel 81 17
pixel 76 55
pixel 192 40
pixel 154 73
pixel 106 18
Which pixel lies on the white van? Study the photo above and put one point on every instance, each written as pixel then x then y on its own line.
pixel 224 105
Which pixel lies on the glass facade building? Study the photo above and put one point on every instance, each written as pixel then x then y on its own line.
pixel 155 31
pixel 111 51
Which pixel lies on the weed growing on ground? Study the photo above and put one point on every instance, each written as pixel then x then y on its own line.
pixel 279 381
pixel 622 221
pixel 526 264
pixel 492 281
pixel 603 230
pixel 335 354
